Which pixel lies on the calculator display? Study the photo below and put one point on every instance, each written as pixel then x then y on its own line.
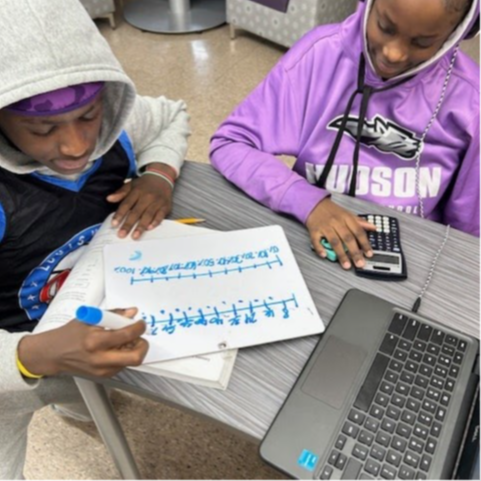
pixel 384 259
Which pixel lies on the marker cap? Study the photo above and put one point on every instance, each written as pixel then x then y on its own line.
pixel 89 315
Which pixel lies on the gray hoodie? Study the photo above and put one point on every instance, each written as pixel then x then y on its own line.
pixel 49 44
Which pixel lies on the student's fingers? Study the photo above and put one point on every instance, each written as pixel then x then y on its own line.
pixel 337 245
pixel 163 211
pixel 129 312
pixel 105 340
pixel 129 346
pixel 136 209
pixel 359 230
pixel 145 221
pixel 158 218
pixel 365 224
pixel 348 233
pixel 124 208
pixel 131 219
pixel 316 237
pixel 120 194
pixel 108 363
pixel 124 357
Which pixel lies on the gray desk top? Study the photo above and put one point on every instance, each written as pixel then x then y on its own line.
pixel 263 375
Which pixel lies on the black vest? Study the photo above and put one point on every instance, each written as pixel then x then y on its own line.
pixel 47 221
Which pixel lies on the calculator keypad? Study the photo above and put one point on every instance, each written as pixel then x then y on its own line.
pixel 386 237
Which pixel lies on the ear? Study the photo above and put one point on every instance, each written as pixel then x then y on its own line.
pixel 474 30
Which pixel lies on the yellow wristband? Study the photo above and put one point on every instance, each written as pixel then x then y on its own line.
pixel 24 371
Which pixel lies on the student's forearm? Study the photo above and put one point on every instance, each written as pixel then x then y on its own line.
pixel 265 178
pixel 37 352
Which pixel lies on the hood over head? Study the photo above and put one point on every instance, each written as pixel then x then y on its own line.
pixel 48 45
pixel 459 34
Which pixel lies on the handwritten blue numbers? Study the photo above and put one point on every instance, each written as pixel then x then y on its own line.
pixel 269 258
pixel 240 313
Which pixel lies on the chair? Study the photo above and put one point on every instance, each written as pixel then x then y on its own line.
pixel 285 21
pixel 100 9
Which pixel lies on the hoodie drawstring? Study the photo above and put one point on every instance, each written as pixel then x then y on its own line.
pixel 366 95
pixel 321 182
pixel 366 91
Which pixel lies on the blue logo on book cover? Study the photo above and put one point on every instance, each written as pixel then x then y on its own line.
pixel 307 460
pixel 44 281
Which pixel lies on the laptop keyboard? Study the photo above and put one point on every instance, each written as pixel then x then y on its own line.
pixel 394 425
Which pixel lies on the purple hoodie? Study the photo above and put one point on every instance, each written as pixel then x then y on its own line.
pixel 299 107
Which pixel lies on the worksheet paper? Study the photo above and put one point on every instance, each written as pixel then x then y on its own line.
pixel 213 292
pixel 85 285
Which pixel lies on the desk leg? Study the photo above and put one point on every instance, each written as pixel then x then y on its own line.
pixel 175 16
pixel 98 403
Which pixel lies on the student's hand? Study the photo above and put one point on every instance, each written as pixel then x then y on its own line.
pixel 340 227
pixel 145 201
pixel 77 348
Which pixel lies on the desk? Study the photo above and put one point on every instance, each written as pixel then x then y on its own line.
pixel 264 375
pixel 175 16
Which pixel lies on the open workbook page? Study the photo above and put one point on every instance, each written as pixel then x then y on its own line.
pixel 86 285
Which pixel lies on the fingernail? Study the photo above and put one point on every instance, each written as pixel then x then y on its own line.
pixel 346 265
pixel 369 253
pixel 122 233
pixel 360 263
pixel 115 222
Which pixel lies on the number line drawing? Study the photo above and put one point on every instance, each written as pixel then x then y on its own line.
pixel 251 311
pixel 209 273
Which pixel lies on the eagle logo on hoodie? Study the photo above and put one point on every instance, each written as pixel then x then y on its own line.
pixel 382 134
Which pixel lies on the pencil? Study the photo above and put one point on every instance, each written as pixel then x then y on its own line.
pixel 190 221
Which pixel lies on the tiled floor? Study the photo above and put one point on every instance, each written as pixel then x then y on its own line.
pixel 212 74
pixel 207 70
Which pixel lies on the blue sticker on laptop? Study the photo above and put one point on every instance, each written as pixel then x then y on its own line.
pixel 307 460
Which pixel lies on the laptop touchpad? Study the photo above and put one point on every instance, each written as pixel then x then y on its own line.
pixel 334 371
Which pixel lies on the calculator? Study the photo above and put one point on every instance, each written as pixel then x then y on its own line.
pixel 387 262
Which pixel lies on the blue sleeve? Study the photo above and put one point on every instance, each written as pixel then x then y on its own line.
pixel 126 143
pixel 3 223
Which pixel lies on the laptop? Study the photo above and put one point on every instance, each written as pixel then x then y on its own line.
pixel 386 394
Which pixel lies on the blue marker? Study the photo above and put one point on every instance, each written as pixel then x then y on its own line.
pixel 96 317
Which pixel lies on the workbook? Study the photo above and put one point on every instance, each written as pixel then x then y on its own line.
pixel 212 292
pixel 85 285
